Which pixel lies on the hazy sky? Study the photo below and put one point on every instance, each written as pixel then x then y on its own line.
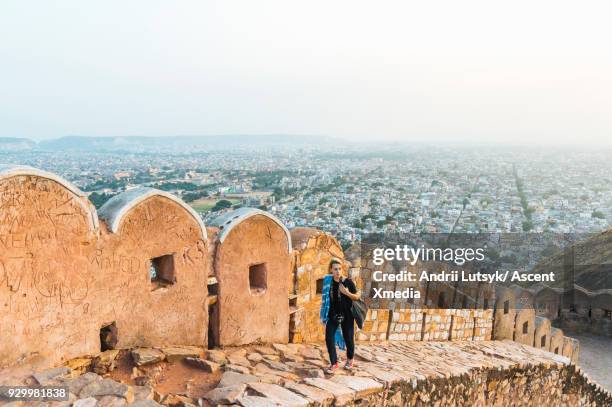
pixel 520 71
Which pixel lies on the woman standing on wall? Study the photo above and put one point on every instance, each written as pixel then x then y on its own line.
pixel 338 296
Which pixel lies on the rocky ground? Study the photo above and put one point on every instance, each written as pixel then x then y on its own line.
pixel 285 375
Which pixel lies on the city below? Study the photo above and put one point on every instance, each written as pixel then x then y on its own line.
pixel 348 190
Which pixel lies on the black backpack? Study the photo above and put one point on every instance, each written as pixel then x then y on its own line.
pixel 359 309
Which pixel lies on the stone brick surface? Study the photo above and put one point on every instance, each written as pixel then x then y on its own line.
pixel 252 264
pixel 313 252
pixel 65 275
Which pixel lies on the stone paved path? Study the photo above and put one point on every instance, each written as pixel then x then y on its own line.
pixel 596 358
pixel 293 375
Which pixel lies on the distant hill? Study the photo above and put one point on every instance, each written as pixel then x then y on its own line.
pixel 173 143
pixel 16 144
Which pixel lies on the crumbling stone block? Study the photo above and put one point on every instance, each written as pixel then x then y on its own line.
pixel 145 356
pixel 227 394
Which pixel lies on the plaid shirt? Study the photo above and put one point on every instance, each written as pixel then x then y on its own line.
pixel 325 304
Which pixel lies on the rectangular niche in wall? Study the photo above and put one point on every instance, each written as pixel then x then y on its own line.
pixel 319 287
pixel 258 278
pixel 108 336
pixel 162 271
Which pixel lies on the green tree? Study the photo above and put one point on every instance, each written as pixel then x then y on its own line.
pixel 222 204
pixel 99 199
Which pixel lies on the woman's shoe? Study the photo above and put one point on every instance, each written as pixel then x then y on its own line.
pixel 349 364
pixel 331 369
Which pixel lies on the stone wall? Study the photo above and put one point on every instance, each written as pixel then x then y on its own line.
pixel 571 349
pixel 505 314
pixel 48 239
pixel 162 280
pixel 517 386
pixel 69 283
pixel 576 309
pixel 542 333
pixel 252 264
pixel 440 315
pixel 524 326
pixel 313 251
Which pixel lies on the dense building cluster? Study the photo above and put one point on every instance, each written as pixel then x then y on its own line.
pixel 350 191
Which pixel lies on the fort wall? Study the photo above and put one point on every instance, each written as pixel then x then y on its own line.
pixel 313 252
pixel 144 271
pixel 252 264
pixel 71 285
